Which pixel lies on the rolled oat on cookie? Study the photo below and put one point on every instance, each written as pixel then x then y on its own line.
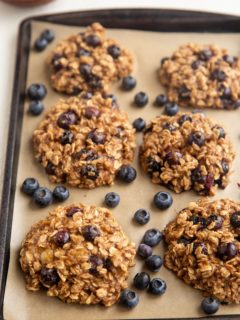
pixel 83 141
pixel 79 254
pixel 202 76
pixel 88 61
pixel 203 248
pixel 187 151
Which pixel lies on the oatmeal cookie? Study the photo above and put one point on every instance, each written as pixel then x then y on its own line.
pixel 187 151
pixel 202 76
pixel 204 248
pixel 79 254
pixel 88 61
pixel 84 140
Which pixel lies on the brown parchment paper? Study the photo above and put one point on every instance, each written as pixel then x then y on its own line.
pixel 180 299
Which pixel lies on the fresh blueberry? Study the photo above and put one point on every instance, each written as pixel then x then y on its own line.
pixel 29 186
pixel 112 199
pixel 141 280
pixel 129 298
pixel 36 91
pixel 114 51
pixel 61 237
pixel 36 108
pixel 157 286
pixel 163 200
pixel 43 196
pixel 60 193
pixel 152 237
pixel 93 40
pixel 154 263
pixel 210 305
pixel 48 35
pixel 128 83
pixel 49 277
pixel 90 233
pixel 197 137
pixel 171 108
pixel 127 173
pixel 160 100
pixel 141 216
pixel 144 250
pixel 40 44
pixel 205 54
pixel 141 99
pixel 139 124
pixel 235 219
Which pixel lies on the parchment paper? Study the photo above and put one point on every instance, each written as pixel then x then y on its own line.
pixel 180 299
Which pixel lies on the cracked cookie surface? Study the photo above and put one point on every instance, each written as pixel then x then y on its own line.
pixel 202 76
pixel 187 151
pixel 83 141
pixel 204 248
pixel 79 254
pixel 88 61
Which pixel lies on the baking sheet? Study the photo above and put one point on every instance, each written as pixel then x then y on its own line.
pixel 180 300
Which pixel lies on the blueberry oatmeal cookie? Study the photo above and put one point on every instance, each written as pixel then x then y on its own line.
pixel 202 76
pixel 79 254
pixel 88 61
pixel 204 248
pixel 84 140
pixel 187 151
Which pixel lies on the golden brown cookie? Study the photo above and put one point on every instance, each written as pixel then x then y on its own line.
pixel 88 61
pixel 204 248
pixel 187 151
pixel 202 76
pixel 79 254
pixel 84 140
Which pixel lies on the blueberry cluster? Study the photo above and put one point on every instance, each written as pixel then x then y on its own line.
pixel 44 39
pixel 142 280
pixel 36 93
pixel 170 108
pixel 42 196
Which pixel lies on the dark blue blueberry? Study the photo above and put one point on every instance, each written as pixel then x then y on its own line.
pixel 93 41
pixel 90 172
pixel 139 124
pixel 196 64
pixel 36 91
pixel 218 75
pixel 171 108
pixel 141 280
pixel 43 196
pixel 96 137
pixel 144 250
pixel 83 52
pixel 141 99
pixel 127 173
pixel 29 186
pixel 152 237
pixel 40 44
pixel 173 157
pixel 157 286
pixel 197 137
pixel 163 200
pixel 210 305
pixel 71 211
pixel 60 193
pixel 129 298
pixel 112 199
pixel 114 51
pixel 61 237
pixel 67 137
pixel 183 118
pixel 154 263
pixel 215 221
pixel 36 108
pixel 141 216
pixel 48 35
pixel 226 251
pixel 66 119
pixel 183 92
pixel 49 277
pixel 229 59
pixel 235 219
pixel 128 83
pixel 205 54
pixel 160 100
pixel 90 233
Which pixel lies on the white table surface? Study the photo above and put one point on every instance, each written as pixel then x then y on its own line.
pixel 11 16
